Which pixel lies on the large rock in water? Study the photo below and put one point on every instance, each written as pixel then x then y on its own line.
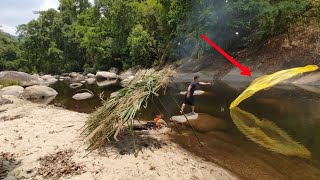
pixel 24 78
pixel 202 122
pixel 106 75
pixel 12 90
pixel 235 76
pixel 48 80
pixel 38 92
pixel 79 78
pixel 312 79
pixel 90 75
pixel 74 74
pixel 82 96
pixel 91 80
pixel 182 118
pixel 106 83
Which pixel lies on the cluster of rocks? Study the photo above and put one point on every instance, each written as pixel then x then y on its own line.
pixel 37 85
pixel 35 93
pixel 101 78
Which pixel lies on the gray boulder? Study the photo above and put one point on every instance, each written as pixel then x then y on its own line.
pixel 106 75
pixel 312 79
pixel 91 80
pixel 78 78
pixel 106 82
pixel 48 80
pixel 46 77
pixel 74 74
pixel 12 90
pixel 235 76
pixel 90 75
pixel 38 92
pixel 82 96
pixel 24 78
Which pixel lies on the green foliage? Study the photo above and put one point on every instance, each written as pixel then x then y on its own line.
pixel 123 33
pixel 313 9
pixel 9 52
pixel 256 20
pixel 140 46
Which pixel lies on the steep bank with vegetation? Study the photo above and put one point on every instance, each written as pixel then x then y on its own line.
pixel 80 36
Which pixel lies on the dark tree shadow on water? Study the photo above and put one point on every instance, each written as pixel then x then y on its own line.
pixel 129 144
pixel 7 164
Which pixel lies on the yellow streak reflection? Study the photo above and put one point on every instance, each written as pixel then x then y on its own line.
pixel 267 134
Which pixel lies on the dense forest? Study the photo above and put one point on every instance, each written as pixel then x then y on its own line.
pixel 80 36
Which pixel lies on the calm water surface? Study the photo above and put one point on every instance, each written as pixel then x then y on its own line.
pixel 288 120
pixel 65 94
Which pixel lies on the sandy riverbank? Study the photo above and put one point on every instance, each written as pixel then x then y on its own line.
pixel 39 141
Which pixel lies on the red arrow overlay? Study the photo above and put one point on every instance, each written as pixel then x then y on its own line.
pixel 245 71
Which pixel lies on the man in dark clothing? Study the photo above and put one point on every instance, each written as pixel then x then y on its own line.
pixel 189 99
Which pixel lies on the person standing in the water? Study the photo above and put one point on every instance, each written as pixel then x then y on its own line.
pixel 189 99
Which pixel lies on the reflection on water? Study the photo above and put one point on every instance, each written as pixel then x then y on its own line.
pixel 65 93
pixel 267 134
pixel 292 128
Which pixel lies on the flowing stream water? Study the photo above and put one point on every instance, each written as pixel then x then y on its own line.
pixel 287 118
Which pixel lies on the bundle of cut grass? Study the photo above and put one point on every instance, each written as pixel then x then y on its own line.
pixel 108 120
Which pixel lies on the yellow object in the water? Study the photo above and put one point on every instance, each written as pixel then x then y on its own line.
pixel 266 81
pixel 267 134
